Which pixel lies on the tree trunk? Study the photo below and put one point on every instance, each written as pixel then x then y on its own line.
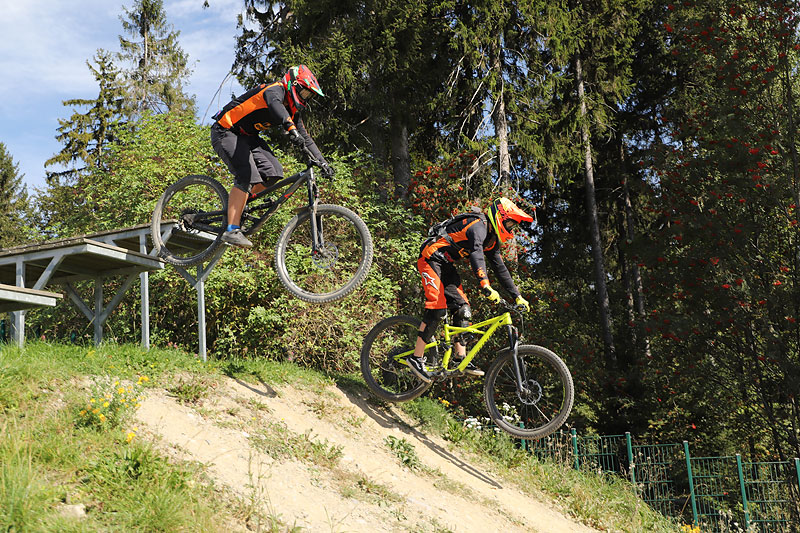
pixel 594 221
pixel 376 139
pixel 500 123
pixel 401 160
pixel 636 274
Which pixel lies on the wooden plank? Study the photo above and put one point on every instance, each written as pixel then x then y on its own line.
pixel 14 298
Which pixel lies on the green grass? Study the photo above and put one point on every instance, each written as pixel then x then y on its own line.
pixel 55 451
pixel 52 455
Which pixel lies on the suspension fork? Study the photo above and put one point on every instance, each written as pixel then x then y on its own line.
pixel 519 369
pixel 313 196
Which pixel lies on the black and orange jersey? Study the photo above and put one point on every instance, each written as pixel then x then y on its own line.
pixel 471 238
pixel 261 108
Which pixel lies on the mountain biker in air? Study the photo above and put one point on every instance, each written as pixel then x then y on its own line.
pixel 235 138
pixel 477 236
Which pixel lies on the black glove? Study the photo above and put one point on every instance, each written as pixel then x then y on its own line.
pixel 327 170
pixel 296 138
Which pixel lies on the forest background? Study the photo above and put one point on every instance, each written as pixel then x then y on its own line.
pixel 656 142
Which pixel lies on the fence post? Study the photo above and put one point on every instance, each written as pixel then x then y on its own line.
pixel 691 482
pixel 797 469
pixel 574 437
pixel 631 464
pixel 744 492
pixel 523 442
pixel 3 330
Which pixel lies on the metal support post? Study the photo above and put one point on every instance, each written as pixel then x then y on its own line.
pixel 199 285
pixel 201 314
pixel 98 311
pixel 144 288
pixel 18 317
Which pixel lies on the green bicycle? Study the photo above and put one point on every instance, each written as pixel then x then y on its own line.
pixel 528 389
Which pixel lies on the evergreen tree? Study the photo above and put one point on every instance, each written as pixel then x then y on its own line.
pixel 158 66
pixel 85 135
pixel 14 206
pixel 379 63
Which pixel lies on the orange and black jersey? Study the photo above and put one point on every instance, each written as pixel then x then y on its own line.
pixel 471 238
pixel 261 108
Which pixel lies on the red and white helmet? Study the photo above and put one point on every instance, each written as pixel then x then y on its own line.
pixel 301 84
pixel 504 216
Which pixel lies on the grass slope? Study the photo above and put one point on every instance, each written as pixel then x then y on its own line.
pixel 68 445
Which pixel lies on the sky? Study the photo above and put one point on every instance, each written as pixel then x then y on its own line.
pixel 44 48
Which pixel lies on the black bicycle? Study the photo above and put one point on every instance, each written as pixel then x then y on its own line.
pixel 322 255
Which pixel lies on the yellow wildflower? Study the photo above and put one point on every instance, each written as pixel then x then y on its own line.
pixel 121 390
pixel 130 436
pixel 92 400
pixel 102 417
pixel 106 404
pixel 95 410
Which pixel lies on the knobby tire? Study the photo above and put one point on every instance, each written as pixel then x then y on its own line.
pixel 546 374
pixel 338 269
pixel 386 379
pixel 188 246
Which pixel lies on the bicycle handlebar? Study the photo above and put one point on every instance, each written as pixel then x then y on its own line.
pixel 310 159
pixel 512 307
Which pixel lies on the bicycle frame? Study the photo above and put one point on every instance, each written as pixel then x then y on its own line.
pixel 485 329
pixel 296 180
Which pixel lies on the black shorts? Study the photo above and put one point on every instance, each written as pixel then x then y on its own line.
pixel 248 157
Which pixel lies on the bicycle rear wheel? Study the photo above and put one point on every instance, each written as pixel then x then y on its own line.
pixel 546 402
pixel 387 378
pixel 189 219
pixel 337 267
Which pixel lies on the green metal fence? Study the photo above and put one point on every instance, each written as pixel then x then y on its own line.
pixel 718 494
pixel 655 469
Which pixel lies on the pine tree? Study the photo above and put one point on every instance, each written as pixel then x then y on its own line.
pixel 84 135
pixel 14 206
pixel 379 64
pixel 158 66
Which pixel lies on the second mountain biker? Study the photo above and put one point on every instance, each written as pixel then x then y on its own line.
pixel 478 237
pixel 235 138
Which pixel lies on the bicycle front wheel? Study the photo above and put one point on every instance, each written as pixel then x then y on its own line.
pixel 189 219
pixel 543 404
pixel 338 265
pixel 385 376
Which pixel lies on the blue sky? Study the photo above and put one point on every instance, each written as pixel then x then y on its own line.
pixel 43 52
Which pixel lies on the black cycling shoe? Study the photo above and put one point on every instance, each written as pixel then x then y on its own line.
pixel 417 367
pixel 236 238
pixel 471 369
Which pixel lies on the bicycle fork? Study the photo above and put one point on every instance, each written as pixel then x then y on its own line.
pixel 519 368
pixel 316 223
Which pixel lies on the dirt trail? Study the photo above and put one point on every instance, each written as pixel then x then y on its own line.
pixel 348 480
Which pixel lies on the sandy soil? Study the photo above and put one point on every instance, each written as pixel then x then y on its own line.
pixel 242 433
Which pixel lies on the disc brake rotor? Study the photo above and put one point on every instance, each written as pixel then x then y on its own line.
pixel 532 393
pixel 325 256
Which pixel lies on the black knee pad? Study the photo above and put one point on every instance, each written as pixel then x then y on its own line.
pixel 431 319
pixel 462 316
